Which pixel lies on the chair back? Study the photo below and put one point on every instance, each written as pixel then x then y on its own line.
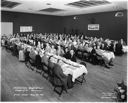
pixel 59 77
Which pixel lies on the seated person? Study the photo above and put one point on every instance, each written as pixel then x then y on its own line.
pixel 42 46
pixel 48 48
pixel 36 42
pixel 121 92
pixel 66 53
pixel 53 50
pixel 102 46
pixel 103 60
pixel 59 51
pixel 32 54
pixel 38 61
pixel 118 48
pixel 106 47
pixel 59 78
pixel 15 50
pixel 27 55
pixel 93 55
pixel 111 47
pixel 122 42
pixel 72 56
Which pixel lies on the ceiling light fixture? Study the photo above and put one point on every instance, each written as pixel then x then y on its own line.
pixel 119 14
pixel 75 17
pixel 48 4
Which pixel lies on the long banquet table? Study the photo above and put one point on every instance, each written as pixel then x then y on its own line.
pixel 68 66
pixel 107 55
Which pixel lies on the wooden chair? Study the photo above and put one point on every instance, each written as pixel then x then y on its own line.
pixel 45 71
pixel 32 63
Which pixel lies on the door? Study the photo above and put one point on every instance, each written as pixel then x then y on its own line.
pixel 6 28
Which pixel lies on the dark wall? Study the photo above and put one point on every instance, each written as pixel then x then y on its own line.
pixel 40 23
pixel 110 26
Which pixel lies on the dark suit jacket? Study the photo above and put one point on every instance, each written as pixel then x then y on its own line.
pixel 93 52
pixel 118 48
pixel 72 58
pixel 38 60
pixel 67 55
pixel 27 56
pixel 59 77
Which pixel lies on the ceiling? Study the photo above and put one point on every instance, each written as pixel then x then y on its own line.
pixel 63 7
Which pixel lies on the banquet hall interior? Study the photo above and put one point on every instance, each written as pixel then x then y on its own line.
pixel 64 50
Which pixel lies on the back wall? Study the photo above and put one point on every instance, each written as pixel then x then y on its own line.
pixel 40 23
pixel 110 26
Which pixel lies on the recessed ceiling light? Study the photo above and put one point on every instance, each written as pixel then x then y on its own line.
pixel 48 4
pixel 30 9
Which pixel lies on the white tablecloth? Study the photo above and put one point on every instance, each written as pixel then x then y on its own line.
pixel 74 71
pixel 68 67
pixel 107 55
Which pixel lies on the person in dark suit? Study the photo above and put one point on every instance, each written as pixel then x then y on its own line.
pixel 38 61
pixel 106 47
pixel 27 56
pixel 72 56
pixel 58 76
pixel 111 47
pixel 36 42
pixel 66 53
pixel 118 48
pixel 93 55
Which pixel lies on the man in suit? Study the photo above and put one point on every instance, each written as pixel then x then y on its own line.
pixel 58 76
pixel 93 56
pixel 72 56
pixel 118 49
pixel 27 56
pixel 38 61
pixel 66 53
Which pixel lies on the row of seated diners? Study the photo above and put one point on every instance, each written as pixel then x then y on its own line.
pixel 93 54
pixel 89 49
pixel 62 72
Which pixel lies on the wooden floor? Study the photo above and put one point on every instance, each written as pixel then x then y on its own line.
pixel 99 80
